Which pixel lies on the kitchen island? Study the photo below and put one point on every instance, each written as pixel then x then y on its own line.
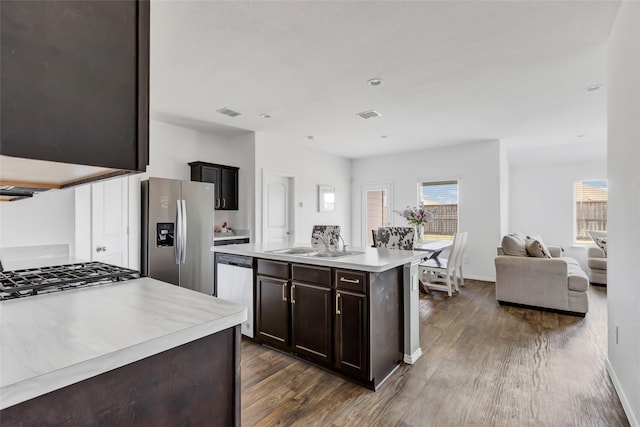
pixel 137 352
pixel 353 313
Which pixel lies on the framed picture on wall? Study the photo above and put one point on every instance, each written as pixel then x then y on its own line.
pixel 326 198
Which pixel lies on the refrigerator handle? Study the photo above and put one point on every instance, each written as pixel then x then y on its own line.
pixel 178 248
pixel 184 232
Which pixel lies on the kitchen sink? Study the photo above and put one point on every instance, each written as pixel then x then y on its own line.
pixel 312 252
pixel 325 254
pixel 294 251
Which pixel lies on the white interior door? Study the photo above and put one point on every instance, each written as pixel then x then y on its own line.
pixel 277 208
pixel 109 222
pixel 376 209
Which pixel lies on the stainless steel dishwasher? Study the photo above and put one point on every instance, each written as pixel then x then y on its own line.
pixel 234 282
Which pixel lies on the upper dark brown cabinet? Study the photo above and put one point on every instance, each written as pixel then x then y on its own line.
pixel 225 179
pixel 75 82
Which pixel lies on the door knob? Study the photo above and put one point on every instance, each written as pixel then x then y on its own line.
pixel 101 248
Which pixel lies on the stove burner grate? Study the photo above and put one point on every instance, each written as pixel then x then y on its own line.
pixel 31 281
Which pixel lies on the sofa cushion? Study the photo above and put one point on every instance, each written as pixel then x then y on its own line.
pixel 536 248
pixel 598 263
pixel 571 261
pixel 578 280
pixel 514 244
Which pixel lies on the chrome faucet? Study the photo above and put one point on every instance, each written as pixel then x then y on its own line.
pixel 344 246
pixel 319 236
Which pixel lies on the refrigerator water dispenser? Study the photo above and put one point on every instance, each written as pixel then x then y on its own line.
pixel 164 234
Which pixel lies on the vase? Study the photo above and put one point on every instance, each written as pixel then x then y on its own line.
pixel 420 232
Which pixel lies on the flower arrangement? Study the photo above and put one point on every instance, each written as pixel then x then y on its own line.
pixel 417 216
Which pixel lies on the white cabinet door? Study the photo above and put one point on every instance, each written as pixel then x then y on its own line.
pixel 109 213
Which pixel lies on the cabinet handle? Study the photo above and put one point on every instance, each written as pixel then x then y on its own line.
pixel 293 301
pixel 284 292
pixel 217 203
pixel 338 303
pixel 356 281
pixel 224 203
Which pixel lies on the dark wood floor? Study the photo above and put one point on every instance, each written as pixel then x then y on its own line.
pixel 483 365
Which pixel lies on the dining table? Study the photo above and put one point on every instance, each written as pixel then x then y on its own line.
pixel 433 247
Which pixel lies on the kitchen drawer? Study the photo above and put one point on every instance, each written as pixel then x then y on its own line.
pixel 311 274
pixel 348 280
pixel 277 269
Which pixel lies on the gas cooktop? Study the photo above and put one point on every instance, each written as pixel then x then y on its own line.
pixel 32 281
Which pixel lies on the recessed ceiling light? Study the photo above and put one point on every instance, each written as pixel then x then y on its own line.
pixel 369 114
pixel 265 115
pixel 593 87
pixel 383 136
pixel 581 135
pixel 228 112
pixel 374 82
pixel 310 137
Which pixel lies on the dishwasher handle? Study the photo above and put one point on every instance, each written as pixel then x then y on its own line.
pixel 234 260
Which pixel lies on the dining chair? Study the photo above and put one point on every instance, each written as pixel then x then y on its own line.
pixel 374 233
pixel 325 236
pixel 460 259
pixel 442 273
pixel 395 238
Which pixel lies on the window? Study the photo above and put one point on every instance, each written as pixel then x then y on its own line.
pixel 591 208
pixel 442 199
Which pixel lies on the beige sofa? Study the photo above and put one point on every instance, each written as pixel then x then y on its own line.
pixel 597 266
pixel 597 258
pixel 557 283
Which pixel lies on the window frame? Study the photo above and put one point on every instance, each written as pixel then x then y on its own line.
pixel 419 187
pixel 586 242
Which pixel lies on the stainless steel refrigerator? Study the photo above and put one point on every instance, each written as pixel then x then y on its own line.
pixel 177 232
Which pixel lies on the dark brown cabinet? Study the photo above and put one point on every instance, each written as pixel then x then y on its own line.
pixel 311 309
pixel 351 333
pixel 351 337
pixel 225 179
pixel 294 309
pixel 75 82
pixel 273 312
pixel 345 320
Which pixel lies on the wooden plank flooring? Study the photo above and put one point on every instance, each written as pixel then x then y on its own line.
pixel 483 365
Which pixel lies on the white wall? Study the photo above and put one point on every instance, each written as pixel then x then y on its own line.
pixel 477 168
pixel 173 147
pixel 310 168
pixel 542 199
pixel 505 187
pixel 46 219
pixel 623 291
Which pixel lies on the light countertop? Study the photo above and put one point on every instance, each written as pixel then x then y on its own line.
pixel 364 259
pixel 53 340
pixel 236 234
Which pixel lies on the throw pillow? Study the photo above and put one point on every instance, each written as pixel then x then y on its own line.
pixel 600 239
pixel 536 247
pixel 514 244
pixel 602 244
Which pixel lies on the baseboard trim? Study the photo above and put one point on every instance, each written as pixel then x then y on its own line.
pixel 412 358
pixel 633 421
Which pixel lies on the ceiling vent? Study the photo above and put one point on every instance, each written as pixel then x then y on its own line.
pixel 369 114
pixel 228 112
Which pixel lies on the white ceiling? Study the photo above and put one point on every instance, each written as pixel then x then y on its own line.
pixel 454 72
